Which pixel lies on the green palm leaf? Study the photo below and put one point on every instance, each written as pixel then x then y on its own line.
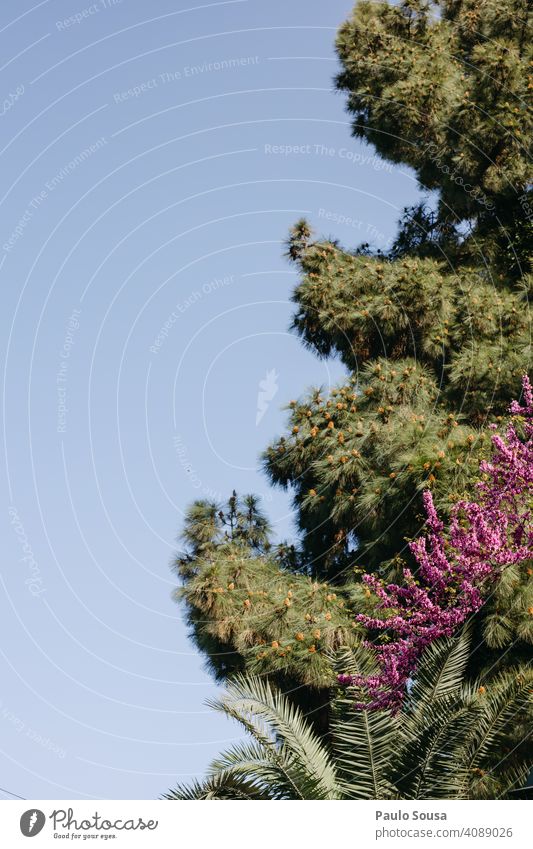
pixel 502 703
pixel 442 668
pixel 432 737
pixel 363 743
pixel 221 786
pixel 280 728
pixel 449 741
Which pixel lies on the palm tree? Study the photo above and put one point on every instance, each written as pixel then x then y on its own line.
pixel 451 740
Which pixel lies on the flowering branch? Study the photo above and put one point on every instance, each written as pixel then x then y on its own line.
pixel 455 573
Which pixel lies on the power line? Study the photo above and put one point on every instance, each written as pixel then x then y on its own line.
pixel 12 794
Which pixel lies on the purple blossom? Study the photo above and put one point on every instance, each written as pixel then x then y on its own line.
pixel 455 572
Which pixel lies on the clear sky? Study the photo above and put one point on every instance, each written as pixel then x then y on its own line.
pixel 153 158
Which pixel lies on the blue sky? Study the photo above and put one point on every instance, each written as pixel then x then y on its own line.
pixel 154 157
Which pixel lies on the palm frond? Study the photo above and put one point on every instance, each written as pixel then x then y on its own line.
pixel 512 780
pixel 442 668
pixel 221 786
pixel 450 740
pixel 502 703
pixel 363 746
pixel 282 730
pixel 428 764
pixel 268 768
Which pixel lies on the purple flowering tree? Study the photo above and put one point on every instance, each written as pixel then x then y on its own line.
pixel 456 571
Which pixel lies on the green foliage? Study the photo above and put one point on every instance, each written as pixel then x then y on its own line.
pixel 209 527
pixel 469 330
pixel 448 742
pixel 358 460
pixel 508 619
pixel 267 619
pixel 285 759
pixel 443 322
pixel 247 611
pixel 434 357
pixel 435 337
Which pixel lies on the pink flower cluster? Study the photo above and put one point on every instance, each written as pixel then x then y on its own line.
pixel 455 572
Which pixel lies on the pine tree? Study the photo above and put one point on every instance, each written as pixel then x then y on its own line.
pixel 445 87
pixel 435 337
